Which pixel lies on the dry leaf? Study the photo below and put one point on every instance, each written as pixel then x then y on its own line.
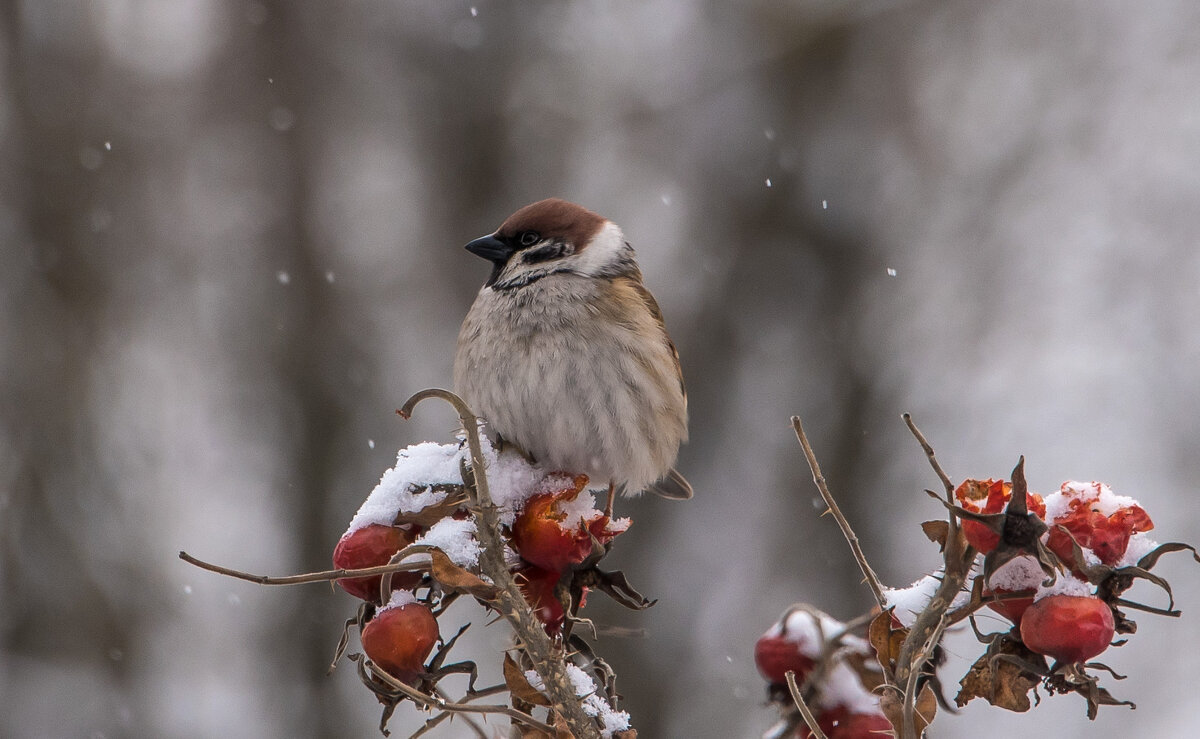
pixel 561 730
pixel 520 688
pixel 1068 679
pixel 892 705
pixel 999 681
pixel 867 669
pixel 455 578
pixel 936 531
pixel 886 639
pixel 926 708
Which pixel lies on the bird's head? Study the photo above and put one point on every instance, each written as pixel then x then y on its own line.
pixel 551 237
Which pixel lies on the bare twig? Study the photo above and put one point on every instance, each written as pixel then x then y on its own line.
pixel 868 574
pixel 307 577
pixel 805 712
pixel 548 661
pixel 479 732
pixel 937 468
pixel 474 695
pixel 433 722
pixel 441 704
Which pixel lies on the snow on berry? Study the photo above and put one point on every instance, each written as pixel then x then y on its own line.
pixel 414 483
pixel 1064 585
pixel 1101 497
pixel 1019 573
pixel 1098 519
pixel 1014 576
pixel 843 688
pixel 512 480
pixel 455 537
pixel 1139 546
pixel 802 627
pixel 797 641
pixel 408 486
pixel 398 599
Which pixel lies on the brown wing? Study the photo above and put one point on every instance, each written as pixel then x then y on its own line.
pixel 652 306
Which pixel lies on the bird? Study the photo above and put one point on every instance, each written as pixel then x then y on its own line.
pixel 565 355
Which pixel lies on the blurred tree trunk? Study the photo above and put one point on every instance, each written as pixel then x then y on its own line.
pixel 54 283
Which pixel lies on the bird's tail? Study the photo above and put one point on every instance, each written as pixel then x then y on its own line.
pixel 672 486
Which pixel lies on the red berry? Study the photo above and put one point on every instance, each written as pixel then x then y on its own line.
pixel 839 723
pixel 775 654
pixel 861 726
pixel 537 585
pixel 543 535
pixel 1020 574
pixel 1013 608
pixel 400 638
pixel 1069 628
pixel 980 536
pixel 827 719
pixel 371 546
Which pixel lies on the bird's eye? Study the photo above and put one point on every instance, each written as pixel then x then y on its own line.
pixel 529 238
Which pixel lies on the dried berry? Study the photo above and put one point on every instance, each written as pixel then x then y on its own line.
pixel 989 496
pixel 1097 519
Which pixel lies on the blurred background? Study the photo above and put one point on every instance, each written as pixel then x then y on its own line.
pixel 231 235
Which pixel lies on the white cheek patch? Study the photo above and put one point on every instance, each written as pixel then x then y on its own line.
pixel 602 251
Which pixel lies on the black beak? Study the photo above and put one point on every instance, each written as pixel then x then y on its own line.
pixel 492 249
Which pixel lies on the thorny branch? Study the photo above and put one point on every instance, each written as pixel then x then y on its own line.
pixel 547 660
pixel 927 629
pixel 471 696
pixel 868 574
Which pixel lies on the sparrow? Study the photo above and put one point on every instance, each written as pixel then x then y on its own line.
pixel 564 352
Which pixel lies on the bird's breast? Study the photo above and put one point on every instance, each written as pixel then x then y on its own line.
pixel 572 381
